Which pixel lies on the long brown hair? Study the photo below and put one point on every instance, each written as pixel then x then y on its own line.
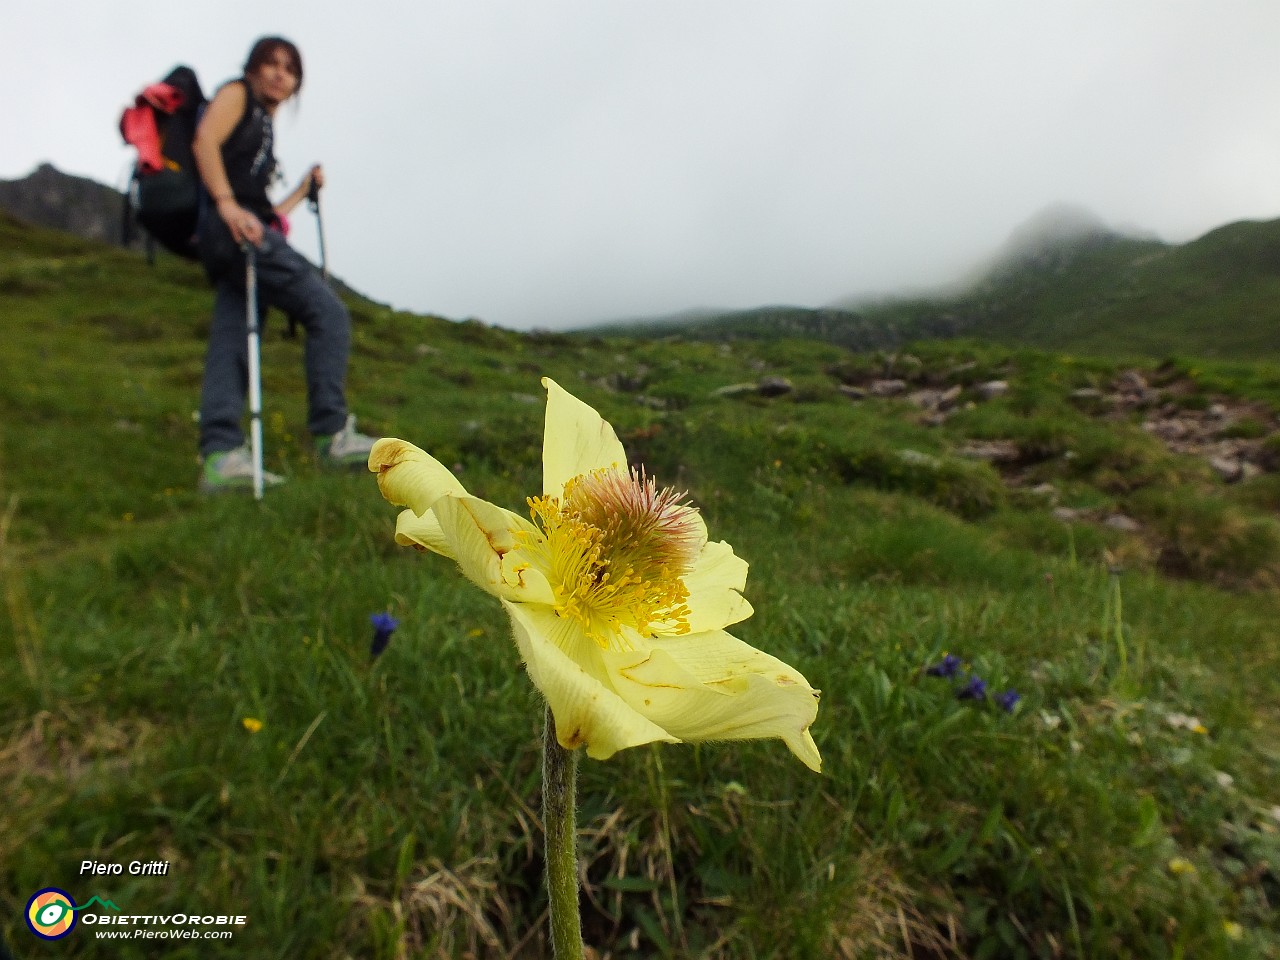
pixel 266 48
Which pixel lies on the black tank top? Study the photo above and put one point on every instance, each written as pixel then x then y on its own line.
pixel 249 157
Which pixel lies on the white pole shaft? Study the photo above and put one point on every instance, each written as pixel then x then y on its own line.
pixel 255 370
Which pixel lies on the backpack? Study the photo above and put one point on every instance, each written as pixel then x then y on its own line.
pixel 165 192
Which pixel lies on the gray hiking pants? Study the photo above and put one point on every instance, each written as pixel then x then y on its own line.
pixel 288 281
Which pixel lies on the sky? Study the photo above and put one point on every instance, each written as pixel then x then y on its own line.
pixel 555 163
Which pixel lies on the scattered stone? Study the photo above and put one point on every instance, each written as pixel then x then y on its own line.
pixel 527 398
pixel 632 381
pixel 917 459
pixel 766 387
pixel 993 389
pixel 1046 490
pixel 653 403
pixel 992 451
pixel 426 350
pixel 852 392
pixel 1131 381
pixel 887 388
pixel 1234 469
pixel 1118 521
pixel 1067 514
pixel 734 390
pixel 1226 468
pixel 774 386
pixel 936 399
pixel 1092 399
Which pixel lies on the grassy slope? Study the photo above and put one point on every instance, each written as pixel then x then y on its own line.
pixel 389 809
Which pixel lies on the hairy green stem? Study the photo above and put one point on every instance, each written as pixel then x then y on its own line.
pixel 559 809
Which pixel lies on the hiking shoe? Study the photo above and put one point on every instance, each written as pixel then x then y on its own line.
pixel 346 448
pixel 231 471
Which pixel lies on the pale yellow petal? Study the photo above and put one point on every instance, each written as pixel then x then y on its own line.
pixel 576 440
pixel 486 542
pixel 411 477
pixel 714 586
pixel 422 531
pixel 712 686
pixel 565 666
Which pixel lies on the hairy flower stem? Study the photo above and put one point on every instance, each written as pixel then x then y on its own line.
pixel 559 809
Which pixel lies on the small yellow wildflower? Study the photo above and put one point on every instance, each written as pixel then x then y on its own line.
pixel 1181 866
pixel 617 598
pixel 252 724
pixel 1233 930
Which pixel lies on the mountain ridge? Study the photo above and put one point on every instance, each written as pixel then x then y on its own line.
pixel 1087 288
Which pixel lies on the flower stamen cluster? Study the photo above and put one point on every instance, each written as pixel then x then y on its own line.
pixel 615 552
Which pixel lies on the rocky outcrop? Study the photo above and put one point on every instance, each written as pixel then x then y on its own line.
pixel 47 197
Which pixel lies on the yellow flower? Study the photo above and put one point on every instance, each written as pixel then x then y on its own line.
pixel 252 724
pixel 617 599
pixel 1180 865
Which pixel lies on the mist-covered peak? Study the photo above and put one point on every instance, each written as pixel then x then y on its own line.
pixel 1054 228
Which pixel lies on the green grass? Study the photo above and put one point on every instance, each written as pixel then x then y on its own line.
pixel 390 808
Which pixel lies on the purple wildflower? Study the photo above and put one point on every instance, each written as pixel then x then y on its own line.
pixel 384 624
pixel 975 689
pixel 1008 700
pixel 947 668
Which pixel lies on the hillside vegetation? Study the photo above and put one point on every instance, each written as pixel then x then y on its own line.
pixel 1097 293
pixel 191 680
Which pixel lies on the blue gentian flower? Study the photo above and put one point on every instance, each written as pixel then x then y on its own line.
pixel 1008 700
pixel 384 624
pixel 947 668
pixel 975 689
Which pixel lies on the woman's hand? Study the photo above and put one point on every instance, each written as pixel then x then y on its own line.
pixel 244 226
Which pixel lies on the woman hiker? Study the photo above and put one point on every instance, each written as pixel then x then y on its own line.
pixel 233 150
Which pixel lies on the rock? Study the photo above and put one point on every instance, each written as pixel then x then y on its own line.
pixel 1118 521
pixel 1234 469
pixel 1228 468
pixel 852 392
pixel 936 399
pixel 917 459
pixel 774 386
pixel 1046 490
pixel 1131 381
pixel 1067 514
pixel 993 389
pixel 1093 400
pixel 766 387
pixel 992 451
pixel 886 388
pixel 632 381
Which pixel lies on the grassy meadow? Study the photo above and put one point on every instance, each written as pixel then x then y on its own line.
pixel 1127 806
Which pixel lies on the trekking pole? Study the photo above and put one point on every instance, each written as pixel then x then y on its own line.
pixel 255 364
pixel 313 199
